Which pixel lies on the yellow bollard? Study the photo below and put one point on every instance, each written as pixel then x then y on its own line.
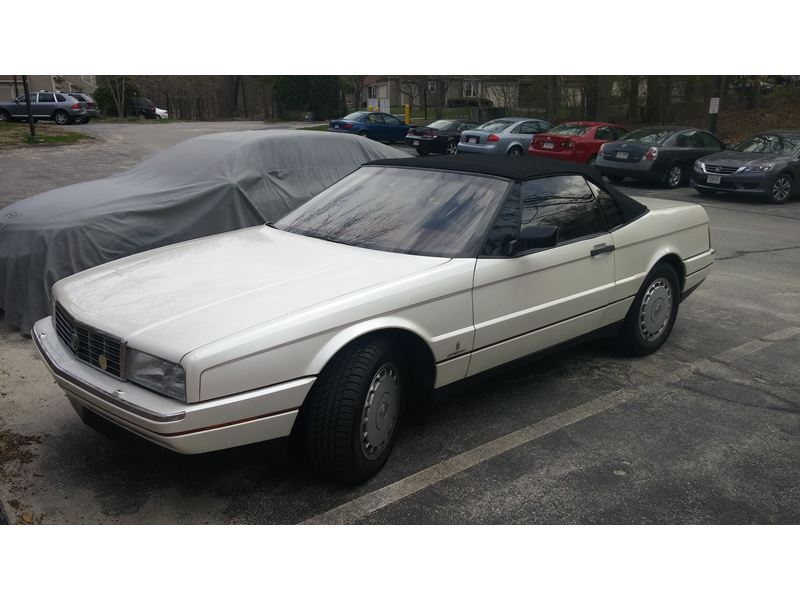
pixel 407 108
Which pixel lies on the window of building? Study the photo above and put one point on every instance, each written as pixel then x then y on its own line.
pixel 470 88
pixel 433 85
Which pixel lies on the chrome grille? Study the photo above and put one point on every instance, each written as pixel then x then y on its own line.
pixel 721 170
pixel 95 348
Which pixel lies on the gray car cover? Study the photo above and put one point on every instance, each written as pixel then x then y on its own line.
pixel 205 185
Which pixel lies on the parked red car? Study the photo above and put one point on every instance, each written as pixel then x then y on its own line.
pixel 578 141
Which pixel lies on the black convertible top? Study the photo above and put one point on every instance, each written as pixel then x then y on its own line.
pixel 519 168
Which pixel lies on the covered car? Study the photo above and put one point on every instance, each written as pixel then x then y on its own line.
pixel 202 186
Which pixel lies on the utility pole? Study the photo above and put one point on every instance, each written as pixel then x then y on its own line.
pixel 713 108
pixel 28 105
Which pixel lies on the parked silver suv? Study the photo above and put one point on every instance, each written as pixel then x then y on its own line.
pixel 61 108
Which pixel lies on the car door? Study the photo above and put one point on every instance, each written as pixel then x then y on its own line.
pixel 395 128
pixel 526 303
pixel 20 107
pixel 45 105
pixel 375 126
pixel 523 133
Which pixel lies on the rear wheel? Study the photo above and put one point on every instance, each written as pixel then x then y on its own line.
pixel 616 178
pixel 362 133
pixel 514 151
pixel 352 412
pixel 781 189
pixel 5 116
pixel 652 315
pixel 452 147
pixel 62 118
pixel 674 176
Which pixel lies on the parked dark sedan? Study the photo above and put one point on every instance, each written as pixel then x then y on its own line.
pixel 374 125
pixel 767 164
pixel 658 154
pixel 439 137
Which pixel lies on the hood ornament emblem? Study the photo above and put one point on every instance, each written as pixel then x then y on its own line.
pixel 75 341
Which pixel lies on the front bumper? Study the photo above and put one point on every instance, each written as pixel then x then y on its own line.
pixel 737 183
pixel 188 428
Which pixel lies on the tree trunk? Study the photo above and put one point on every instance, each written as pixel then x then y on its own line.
pixel 651 108
pixel 754 91
pixel 603 104
pixel 633 99
pixel 552 97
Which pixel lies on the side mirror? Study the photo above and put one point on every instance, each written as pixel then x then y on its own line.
pixel 530 238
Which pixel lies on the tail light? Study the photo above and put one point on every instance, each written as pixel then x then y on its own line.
pixel 602 150
pixel 493 137
pixel 568 144
pixel 348 125
pixel 652 153
pixel 76 106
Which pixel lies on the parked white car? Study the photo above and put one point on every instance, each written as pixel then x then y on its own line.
pixel 403 277
pixel 161 113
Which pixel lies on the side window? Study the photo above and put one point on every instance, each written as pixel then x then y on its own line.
pixel 390 120
pixel 47 98
pixel 608 206
pixel 376 119
pixel 60 98
pixel 31 96
pixel 543 126
pixel 688 139
pixel 506 226
pixel 603 133
pixel 565 202
pixel 709 141
pixel 528 127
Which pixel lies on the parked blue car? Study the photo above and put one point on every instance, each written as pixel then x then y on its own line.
pixel 374 125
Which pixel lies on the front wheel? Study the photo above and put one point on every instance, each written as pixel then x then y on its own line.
pixel 515 151
pixel 5 116
pixel 452 147
pixel 781 189
pixel 652 315
pixel 352 412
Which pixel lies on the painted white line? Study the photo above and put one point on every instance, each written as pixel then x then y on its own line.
pixel 363 506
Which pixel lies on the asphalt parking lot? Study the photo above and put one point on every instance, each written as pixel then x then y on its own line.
pixel 704 431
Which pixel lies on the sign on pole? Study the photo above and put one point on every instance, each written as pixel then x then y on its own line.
pixel 713 107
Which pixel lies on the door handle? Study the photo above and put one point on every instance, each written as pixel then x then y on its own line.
pixel 602 249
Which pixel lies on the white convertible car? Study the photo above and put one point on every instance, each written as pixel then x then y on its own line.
pixel 403 277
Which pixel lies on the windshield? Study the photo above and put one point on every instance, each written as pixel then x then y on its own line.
pixel 353 116
pixel 648 136
pixel 442 125
pixel 397 209
pixel 495 125
pixel 770 144
pixel 569 129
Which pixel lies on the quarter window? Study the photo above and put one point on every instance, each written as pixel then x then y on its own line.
pixel 608 205
pixel 565 202
pixel 603 133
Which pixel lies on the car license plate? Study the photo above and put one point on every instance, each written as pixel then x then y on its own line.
pixel 714 179
pixel 622 155
pixel 336 127
pixel 472 140
pixel 548 145
pixel 416 143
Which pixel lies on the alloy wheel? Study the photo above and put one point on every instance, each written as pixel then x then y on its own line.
pixel 451 148
pixel 781 189
pixel 675 175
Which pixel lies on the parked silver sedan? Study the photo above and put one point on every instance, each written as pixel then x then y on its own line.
pixel 509 135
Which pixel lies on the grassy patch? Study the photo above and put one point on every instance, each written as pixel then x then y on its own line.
pixel 12 134
pixel 323 127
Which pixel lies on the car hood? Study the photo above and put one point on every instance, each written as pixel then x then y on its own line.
pixel 172 300
pixel 730 158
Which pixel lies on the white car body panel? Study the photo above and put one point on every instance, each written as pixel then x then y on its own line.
pixel 254 315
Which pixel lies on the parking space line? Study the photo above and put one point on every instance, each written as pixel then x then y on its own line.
pixel 363 506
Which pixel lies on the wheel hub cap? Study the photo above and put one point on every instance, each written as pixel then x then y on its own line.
pixel 674 176
pixel 656 309
pixel 379 416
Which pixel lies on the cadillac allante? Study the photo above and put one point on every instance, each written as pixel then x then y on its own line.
pixel 404 277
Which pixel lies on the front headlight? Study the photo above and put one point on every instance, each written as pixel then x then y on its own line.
pixel 160 376
pixel 699 165
pixel 757 169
